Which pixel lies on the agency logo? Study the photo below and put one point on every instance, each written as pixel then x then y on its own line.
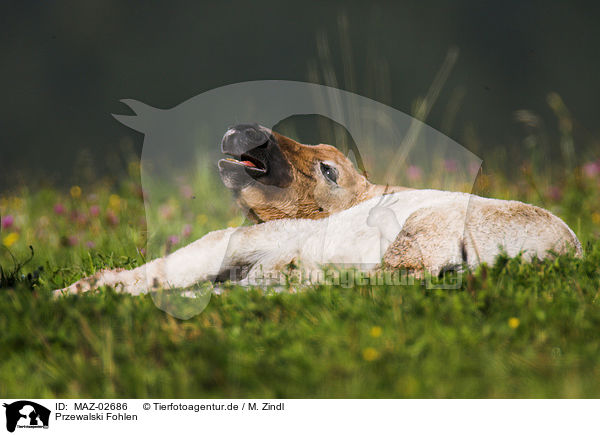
pixel 234 121
pixel 25 414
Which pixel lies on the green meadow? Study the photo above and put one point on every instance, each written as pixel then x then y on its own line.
pixel 512 329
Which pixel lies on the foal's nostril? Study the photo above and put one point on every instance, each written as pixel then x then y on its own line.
pixel 242 138
pixel 254 135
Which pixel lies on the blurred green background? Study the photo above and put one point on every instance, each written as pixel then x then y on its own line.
pixel 66 65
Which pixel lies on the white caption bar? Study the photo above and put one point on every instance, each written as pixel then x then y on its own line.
pixel 248 416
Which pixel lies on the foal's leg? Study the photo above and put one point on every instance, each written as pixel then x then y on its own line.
pixel 269 246
pixel 431 241
pixel 198 261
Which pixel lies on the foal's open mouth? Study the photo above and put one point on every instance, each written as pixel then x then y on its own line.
pixel 254 164
pixel 252 154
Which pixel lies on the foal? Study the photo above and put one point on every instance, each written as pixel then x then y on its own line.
pixel 312 208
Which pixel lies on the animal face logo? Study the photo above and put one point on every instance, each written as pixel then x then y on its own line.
pixel 26 414
pixel 264 168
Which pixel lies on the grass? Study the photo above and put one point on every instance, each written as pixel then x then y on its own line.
pixel 513 329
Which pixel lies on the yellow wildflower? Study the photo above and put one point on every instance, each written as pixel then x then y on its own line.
pixel 201 219
pixel 235 222
pixel 75 191
pixel 17 202
pixel 514 323
pixel 370 354
pixel 375 331
pixel 114 201
pixel 10 239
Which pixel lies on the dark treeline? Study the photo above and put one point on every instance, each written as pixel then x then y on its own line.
pixel 66 65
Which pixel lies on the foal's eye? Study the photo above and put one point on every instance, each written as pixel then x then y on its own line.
pixel 329 172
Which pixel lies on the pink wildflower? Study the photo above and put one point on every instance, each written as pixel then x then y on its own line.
pixel 414 173
pixel 166 211
pixel 78 217
pixel 450 165
pixel 474 168
pixel 7 222
pixel 592 169
pixel 186 191
pixel 554 193
pixel 112 218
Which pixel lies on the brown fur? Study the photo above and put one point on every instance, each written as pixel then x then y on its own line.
pixel 310 196
pixel 418 245
pixel 418 238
